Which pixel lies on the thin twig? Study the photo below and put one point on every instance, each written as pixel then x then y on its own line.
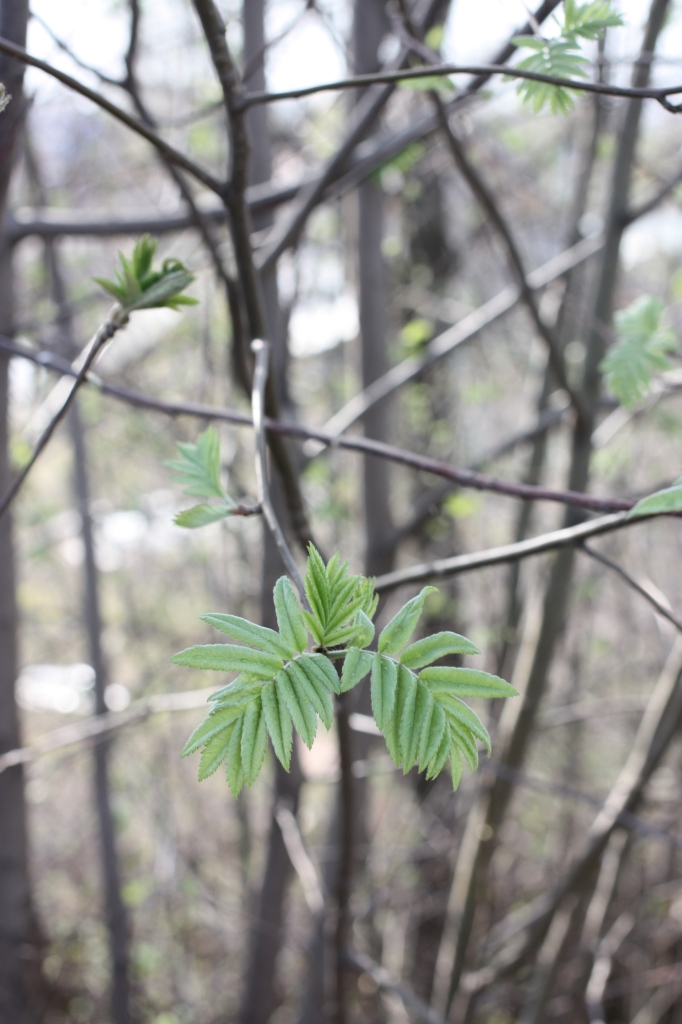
pixel 364 964
pixel 460 477
pixel 261 351
pixel 458 334
pixel 140 129
pixel 103 725
pixel 445 567
pixel 443 70
pixel 632 582
pixel 117 320
pixel 299 857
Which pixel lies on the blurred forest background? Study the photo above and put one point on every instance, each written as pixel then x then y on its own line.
pixel 467 253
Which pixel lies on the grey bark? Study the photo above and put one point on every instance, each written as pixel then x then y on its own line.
pixel 21 995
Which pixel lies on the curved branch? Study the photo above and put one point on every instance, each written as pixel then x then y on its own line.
pixel 172 154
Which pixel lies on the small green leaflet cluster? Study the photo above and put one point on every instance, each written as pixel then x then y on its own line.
pixel 561 57
pixel 281 688
pixel 640 352
pixel 198 471
pixel 139 286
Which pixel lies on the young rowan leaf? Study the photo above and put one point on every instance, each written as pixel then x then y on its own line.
pixel 317 586
pixel 416 717
pixel 456 766
pixel 229 658
pixel 253 742
pixel 642 350
pixel 216 722
pixel 289 615
pixel 437 761
pixel 260 637
pixel 456 709
pixel 310 685
pixel 462 738
pixel 431 736
pixel 203 515
pixel 314 628
pixel 300 708
pixel 242 689
pixel 356 665
pixel 323 669
pixel 466 682
pixel 431 648
pixel 365 629
pixel 198 468
pixel 384 682
pixel 397 633
pixel 278 722
pixel 214 753
pixel 668 500
pixel 234 770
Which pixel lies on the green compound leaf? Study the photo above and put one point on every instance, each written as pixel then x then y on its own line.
pixel 289 615
pixel 260 637
pixel 317 586
pixel 431 648
pixel 640 352
pixel 384 682
pixel 215 723
pixel 668 500
pixel 463 740
pixel 254 741
pixel 456 710
pixel 198 468
pixel 301 710
pixel 278 722
pixel 466 682
pixel 437 762
pixel 364 629
pixel 356 665
pixel 235 770
pixel 456 766
pixel 431 737
pixel 310 686
pixel 415 719
pixel 229 658
pixel 397 633
pixel 321 667
pixel 214 753
pixel 203 515
pixel 139 286
pixel 240 691
pixel 588 20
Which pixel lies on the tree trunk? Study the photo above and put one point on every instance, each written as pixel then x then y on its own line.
pixel 21 995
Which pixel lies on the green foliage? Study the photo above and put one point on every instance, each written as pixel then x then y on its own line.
pixel 562 57
pixel 667 500
pixel 280 687
pixel 198 471
pixel 640 352
pixel 139 286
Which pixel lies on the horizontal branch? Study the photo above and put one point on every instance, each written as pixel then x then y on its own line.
pixel 566 537
pixel 168 151
pixel 461 477
pixel 443 70
pixel 418 1008
pixel 102 725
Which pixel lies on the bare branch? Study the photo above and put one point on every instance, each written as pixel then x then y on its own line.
pixel 261 351
pixel 421 1010
pixel 657 604
pixel 460 477
pixel 444 70
pixel 299 857
pixel 116 321
pixel 169 151
pixel 458 334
